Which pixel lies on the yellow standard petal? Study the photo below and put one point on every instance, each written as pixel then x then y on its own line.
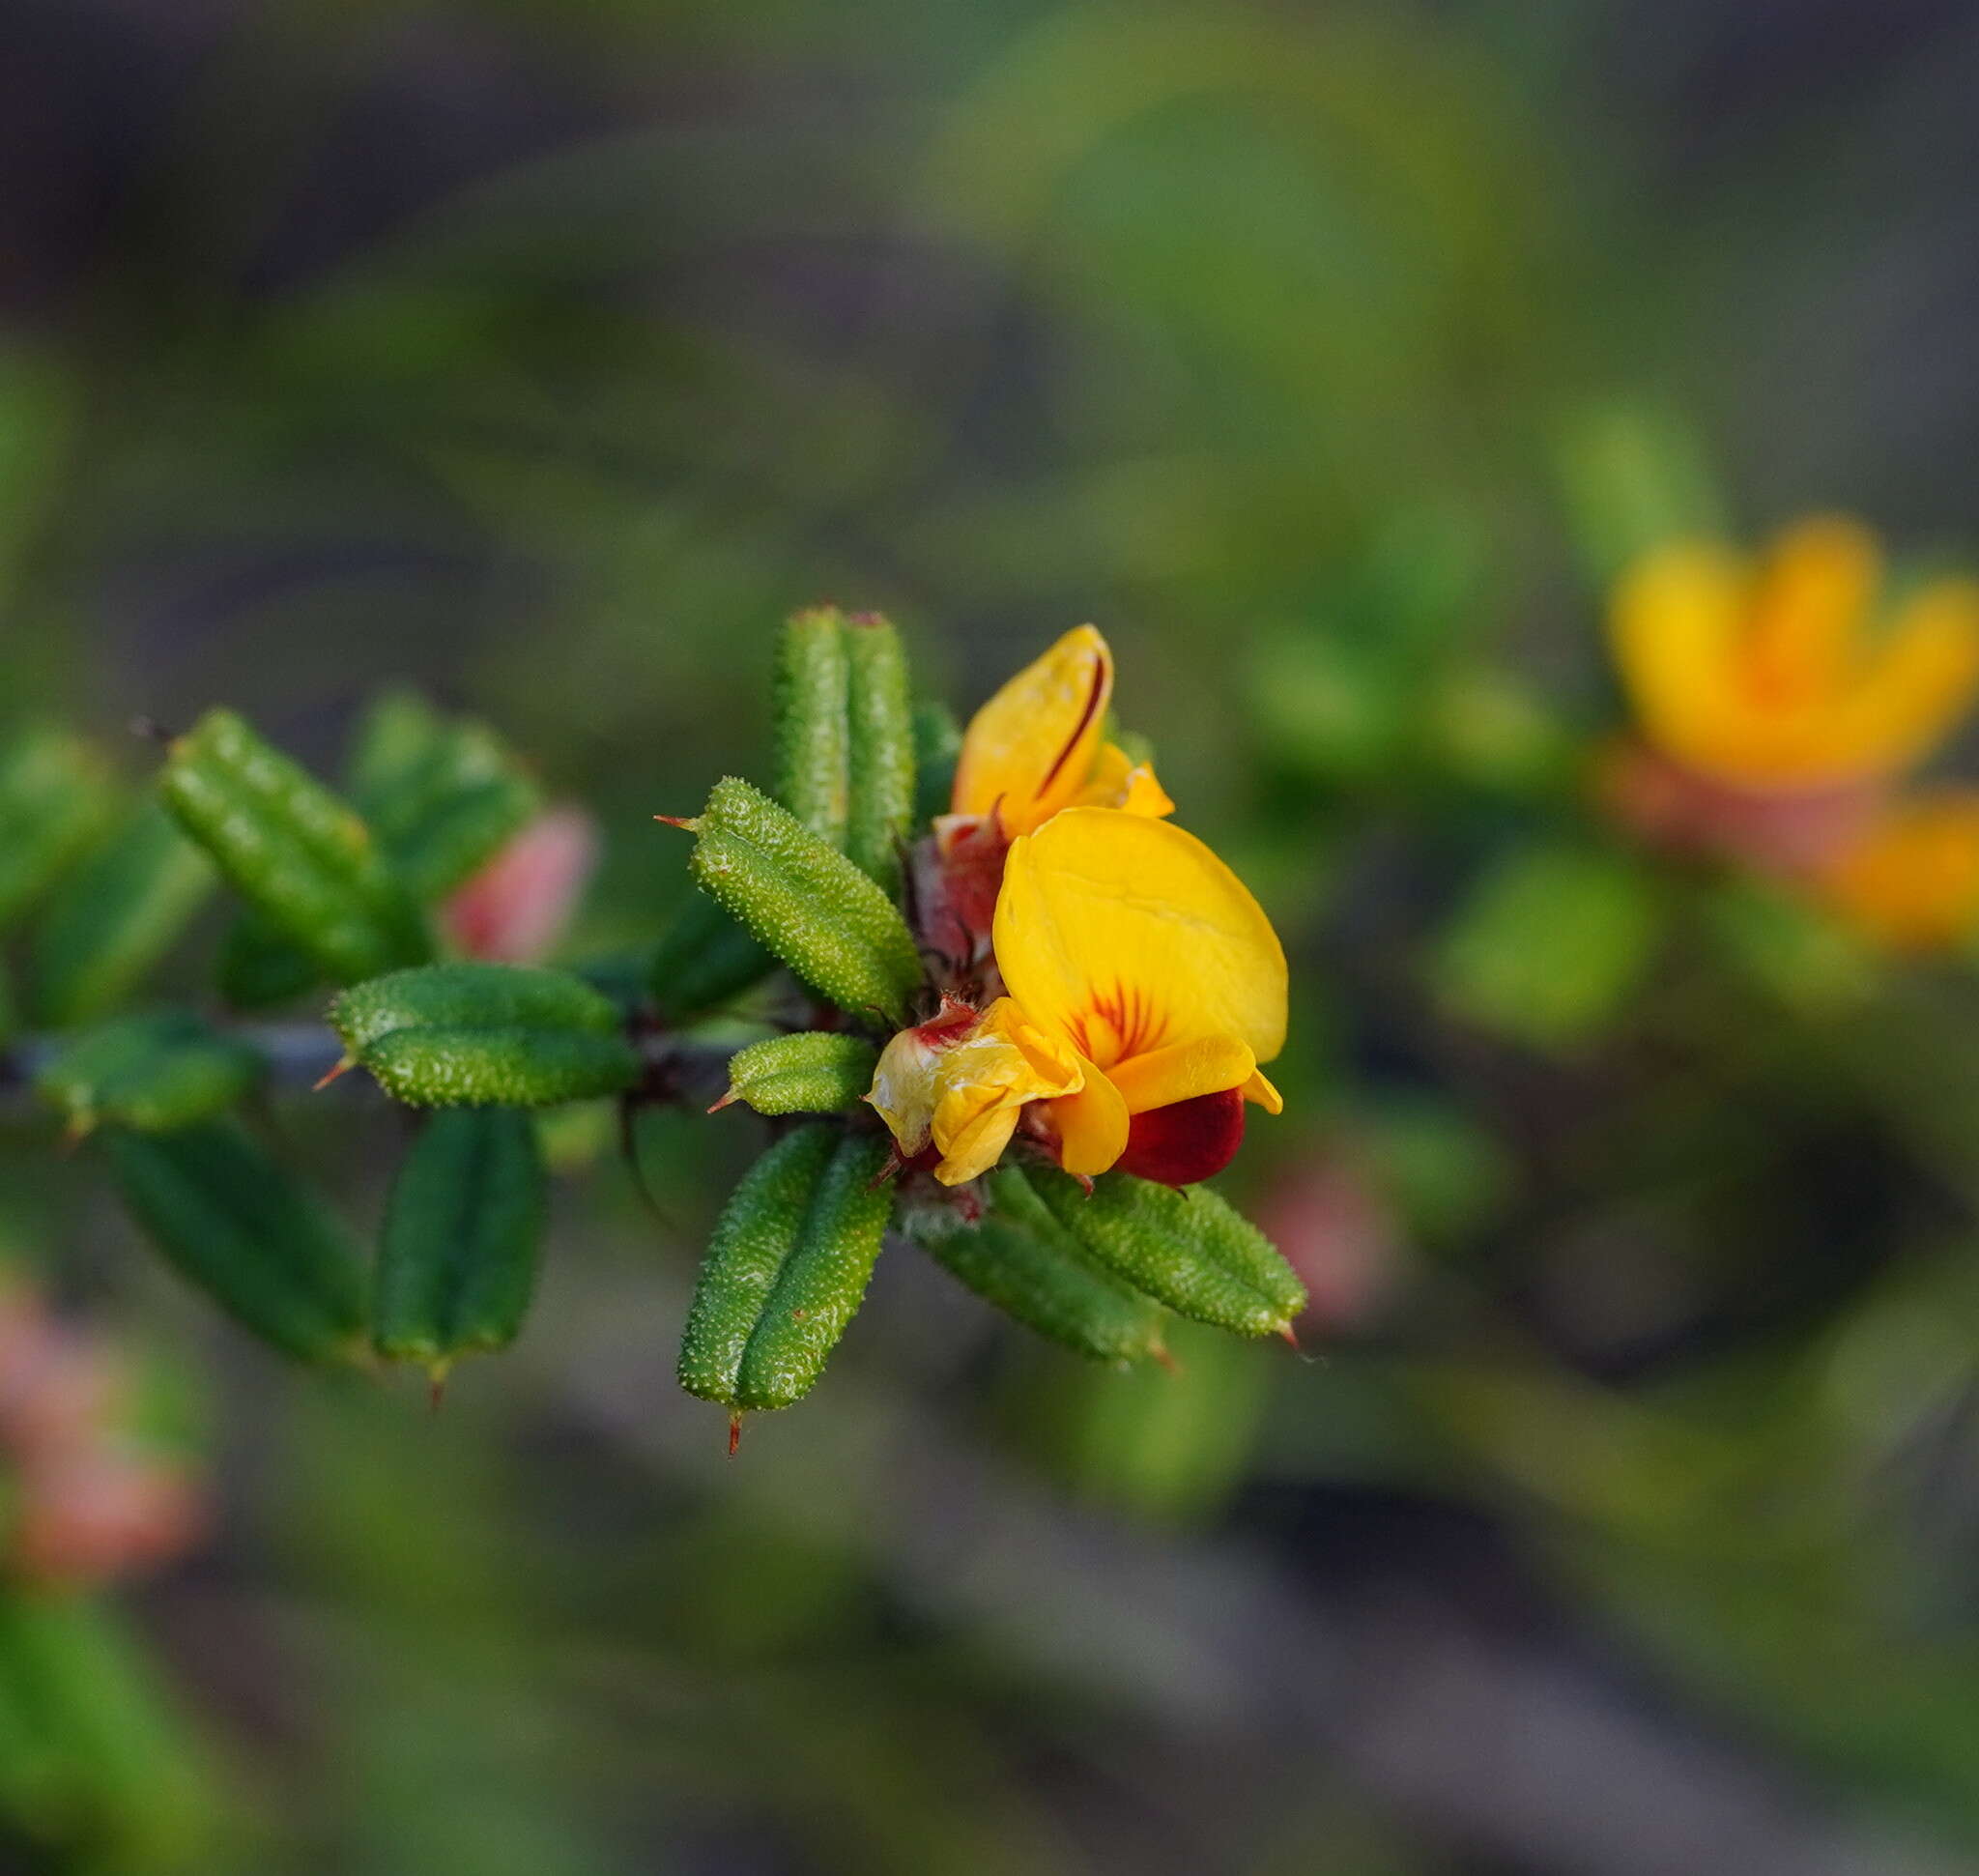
pixel 1181 1071
pixel 983 1081
pixel 1673 625
pixel 1127 936
pixel 1808 611
pixel 1030 749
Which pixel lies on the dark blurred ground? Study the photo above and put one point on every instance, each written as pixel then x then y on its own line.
pixel 545 355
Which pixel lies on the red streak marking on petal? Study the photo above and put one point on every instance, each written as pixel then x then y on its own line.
pixel 1129 1012
pixel 1072 741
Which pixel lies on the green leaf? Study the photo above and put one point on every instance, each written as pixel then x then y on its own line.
pixel 443 816
pixel 1550 945
pixel 440 797
pixel 392 738
pixel 90 1743
pixel 1188 1249
pixel 54 798
pixel 938 748
pixel 816 1072
pixel 257 1240
pixel 442 1067
pixel 485 1035
pixel 465 995
pixel 1635 477
pixel 260 968
pixel 706 960
pixel 809 701
pixel 153 1073
pixel 114 917
pixel 882 750
pixel 1021 1259
pixel 293 850
pixel 810 906
pixel 786 1270
pixel 463 1232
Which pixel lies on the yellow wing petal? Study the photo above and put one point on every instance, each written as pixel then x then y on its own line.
pixel 1127 934
pixel 1181 1071
pixel 1259 1090
pixel 1118 781
pixel 1144 794
pixel 1921 679
pixel 1808 611
pixel 1028 751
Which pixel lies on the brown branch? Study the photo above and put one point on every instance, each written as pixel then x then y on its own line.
pixel 300 1053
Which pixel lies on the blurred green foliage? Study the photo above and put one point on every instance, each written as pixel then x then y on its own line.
pixel 541 356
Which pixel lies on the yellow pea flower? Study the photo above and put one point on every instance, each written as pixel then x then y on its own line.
pixel 1912 881
pixel 1777 678
pixel 1035 748
pixel 1145 986
pixel 1130 939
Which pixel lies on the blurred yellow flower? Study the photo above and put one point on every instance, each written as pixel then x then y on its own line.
pixel 1912 882
pixel 1145 986
pixel 1780 676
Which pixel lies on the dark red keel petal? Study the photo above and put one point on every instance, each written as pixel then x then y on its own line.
pixel 1193 1139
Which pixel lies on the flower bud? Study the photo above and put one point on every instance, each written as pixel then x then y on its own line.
pixel 1339 1234
pixel 903 1089
pixel 1783 832
pixel 517 907
pixel 105 1514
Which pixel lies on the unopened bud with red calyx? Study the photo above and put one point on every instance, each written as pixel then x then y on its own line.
pixel 1337 1231
pixel 59 1390
pixel 518 905
pixel 1783 832
pixel 964 869
pixel 903 1089
pixel 105 1513
pixel 89 1503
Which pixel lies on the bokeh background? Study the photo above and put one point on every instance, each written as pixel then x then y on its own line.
pixel 1624 1516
